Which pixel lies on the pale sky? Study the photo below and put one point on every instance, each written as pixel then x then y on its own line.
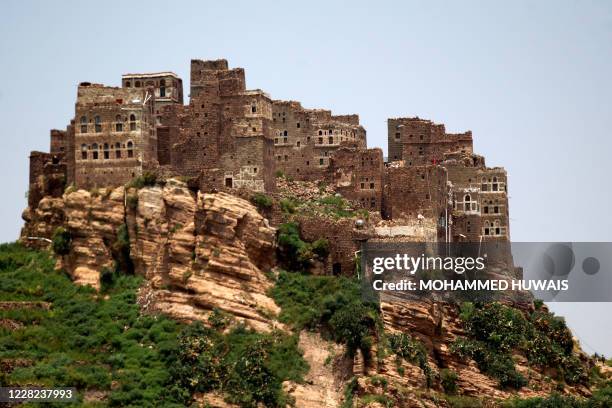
pixel 532 80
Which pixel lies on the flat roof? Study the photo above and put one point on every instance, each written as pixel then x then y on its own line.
pixel 151 75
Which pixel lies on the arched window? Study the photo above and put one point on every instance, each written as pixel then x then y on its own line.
pixel 320 132
pixel 84 152
pixel 94 148
pixel 118 124
pixel 285 133
pixel 495 185
pixel 162 88
pixel 128 84
pixel 83 124
pixel 132 122
pixel 106 151
pixel 137 84
pixel 117 150
pixel 98 124
pixel 130 149
pixel 466 202
pixel 253 107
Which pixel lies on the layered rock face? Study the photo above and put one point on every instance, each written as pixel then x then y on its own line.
pixel 437 326
pixel 197 252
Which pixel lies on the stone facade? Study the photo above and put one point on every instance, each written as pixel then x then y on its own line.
pixel 115 138
pixel 419 141
pixel 306 139
pixel 235 139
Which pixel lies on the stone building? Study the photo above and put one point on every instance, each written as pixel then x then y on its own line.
pixel 418 141
pixel 229 137
pixel 114 138
pixel 167 87
pixel 305 139
pixel 358 174
pixel 224 135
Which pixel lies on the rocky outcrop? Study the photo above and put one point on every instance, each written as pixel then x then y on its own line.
pixel 437 327
pixel 323 385
pixel 197 251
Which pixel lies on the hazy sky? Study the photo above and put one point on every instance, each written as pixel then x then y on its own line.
pixel 532 80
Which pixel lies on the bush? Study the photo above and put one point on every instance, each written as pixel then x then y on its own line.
pixel 333 305
pixel 496 329
pixel 292 251
pixel 261 201
pixel 61 241
pixel 249 366
pixel 448 379
pixel 146 179
pixel 84 340
pixel 321 248
pixel 411 350
pixel 120 250
pixel 288 206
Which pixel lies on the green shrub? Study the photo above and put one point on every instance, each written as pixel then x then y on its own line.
pixel 411 350
pixel 448 379
pixel 61 240
pixel 132 201
pixel 262 201
pixel 146 179
pixel 498 330
pixel 120 250
pixel 292 252
pixel 332 305
pixel 321 248
pixel 288 206
pixel 248 366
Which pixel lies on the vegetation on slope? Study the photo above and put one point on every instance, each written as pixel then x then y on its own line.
pixel 331 305
pixel 101 342
pixel 495 331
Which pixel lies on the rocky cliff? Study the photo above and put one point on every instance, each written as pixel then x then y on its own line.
pixel 197 251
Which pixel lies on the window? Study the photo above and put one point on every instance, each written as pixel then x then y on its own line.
pixel 132 122
pixel 137 84
pixel 130 149
pixel 496 210
pixel 117 150
pixel 229 182
pixel 284 140
pixel 495 185
pixel 118 124
pixel 320 140
pixel 83 124
pixel 371 186
pixel 298 143
pixel 98 124
pixel 162 88
pixel 298 124
pixel 321 161
pixel 331 140
pixel 320 132
pixel 84 152
pixel 128 84
pixel 94 148
pixel 397 136
pixel 106 152
pixel 285 133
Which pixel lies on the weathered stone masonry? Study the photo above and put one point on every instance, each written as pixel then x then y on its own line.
pixel 235 139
